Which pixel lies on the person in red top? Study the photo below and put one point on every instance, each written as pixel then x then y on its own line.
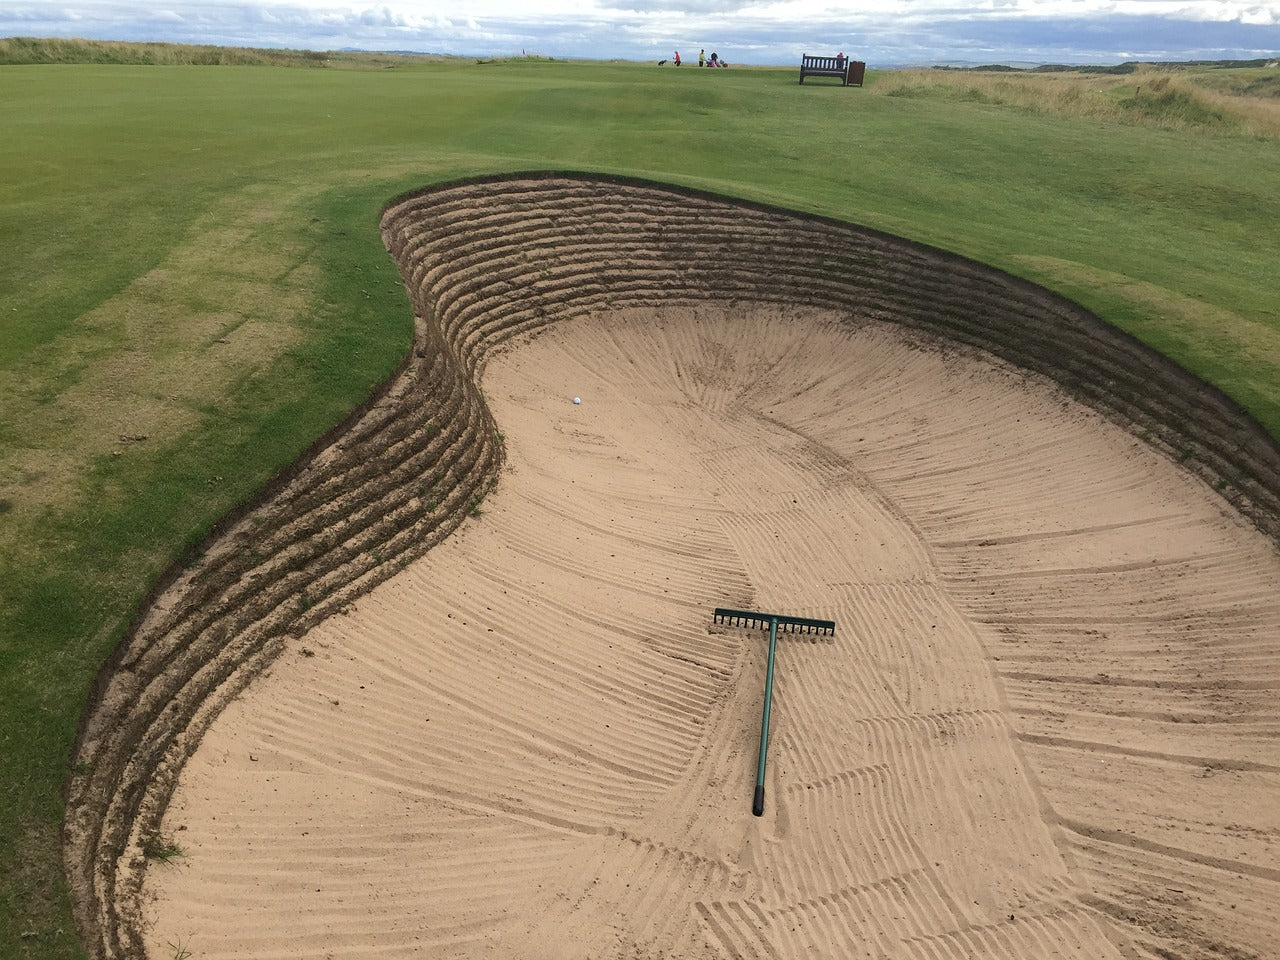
pixel 677 58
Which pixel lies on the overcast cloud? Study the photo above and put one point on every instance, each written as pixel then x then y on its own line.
pixel 882 32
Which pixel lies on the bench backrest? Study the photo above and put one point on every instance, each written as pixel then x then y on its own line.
pixel 822 63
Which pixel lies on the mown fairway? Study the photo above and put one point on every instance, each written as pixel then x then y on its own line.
pixel 192 288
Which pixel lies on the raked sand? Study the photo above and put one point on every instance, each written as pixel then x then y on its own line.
pixel 1045 727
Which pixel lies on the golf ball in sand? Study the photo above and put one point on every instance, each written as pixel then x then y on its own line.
pixel 577 399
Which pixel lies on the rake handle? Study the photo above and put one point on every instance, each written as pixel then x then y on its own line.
pixel 757 805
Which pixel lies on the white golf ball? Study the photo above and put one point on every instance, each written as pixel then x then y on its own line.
pixel 577 399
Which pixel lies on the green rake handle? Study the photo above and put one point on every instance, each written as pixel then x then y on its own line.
pixel 757 805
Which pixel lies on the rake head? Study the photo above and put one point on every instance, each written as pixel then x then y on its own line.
pixel 762 621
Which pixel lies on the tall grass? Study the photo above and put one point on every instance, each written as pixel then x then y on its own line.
pixel 32 50
pixel 1188 100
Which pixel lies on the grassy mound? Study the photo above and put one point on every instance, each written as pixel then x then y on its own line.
pixel 30 50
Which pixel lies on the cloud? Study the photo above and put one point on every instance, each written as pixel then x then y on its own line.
pixel 687 6
pixel 882 32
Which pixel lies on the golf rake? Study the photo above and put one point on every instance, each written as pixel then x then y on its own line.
pixel 775 622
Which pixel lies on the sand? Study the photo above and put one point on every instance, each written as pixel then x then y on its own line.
pixel 1045 726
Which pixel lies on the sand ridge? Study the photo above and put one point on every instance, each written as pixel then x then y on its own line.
pixel 532 742
pixel 485 261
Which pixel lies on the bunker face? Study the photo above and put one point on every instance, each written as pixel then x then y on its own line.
pixel 1046 726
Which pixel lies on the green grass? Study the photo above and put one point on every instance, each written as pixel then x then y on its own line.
pixel 192 257
pixel 162 849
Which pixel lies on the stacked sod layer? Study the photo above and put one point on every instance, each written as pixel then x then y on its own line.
pixel 498 256
pixel 485 260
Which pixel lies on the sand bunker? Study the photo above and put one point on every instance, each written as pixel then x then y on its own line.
pixel 1039 716
pixel 1045 728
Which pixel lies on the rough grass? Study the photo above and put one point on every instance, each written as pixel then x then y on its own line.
pixel 194 288
pixel 30 50
pixel 1242 100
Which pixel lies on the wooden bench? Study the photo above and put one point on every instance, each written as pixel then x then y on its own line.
pixel 825 67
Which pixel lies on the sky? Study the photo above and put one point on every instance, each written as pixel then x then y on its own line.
pixel 884 33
